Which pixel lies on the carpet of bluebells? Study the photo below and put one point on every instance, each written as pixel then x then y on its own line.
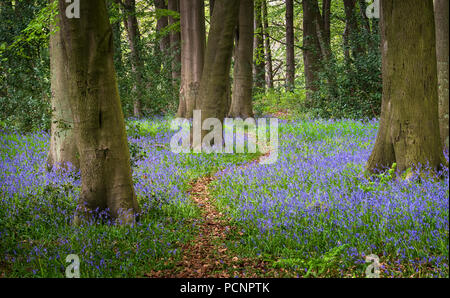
pixel 314 212
pixel 37 206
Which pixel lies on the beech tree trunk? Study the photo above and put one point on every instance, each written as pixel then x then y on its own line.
pixel 213 86
pixel 409 126
pixel 441 20
pixel 241 103
pixel 193 43
pixel 134 40
pixel 258 46
pixel 87 46
pixel 290 54
pixel 267 49
pixel 63 147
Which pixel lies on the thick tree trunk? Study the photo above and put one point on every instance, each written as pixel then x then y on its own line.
pixel 409 128
pixel 258 46
pixel 241 103
pixel 193 43
pixel 441 20
pixel 63 147
pixel 134 41
pixel 213 86
pixel 267 49
pixel 175 38
pixel 106 181
pixel 311 46
pixel 290 54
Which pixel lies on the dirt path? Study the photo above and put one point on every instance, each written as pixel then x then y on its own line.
pixel 207 255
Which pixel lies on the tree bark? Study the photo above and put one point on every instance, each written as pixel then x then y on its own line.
pixel 409 127
pixel 442 53
pixel 267 49
pixel 134 41
pixel 193 43
pixel 290 53
pixel 213 86
pixel 258 46
pixel 241 103
pixel 63 147
pixel 99 125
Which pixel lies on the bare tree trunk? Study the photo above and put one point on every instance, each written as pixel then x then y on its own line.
pixel 241 103
pixel 441 19
pixel 290 53
pixel 193 43
pixel 268 51
pixel 134 41
pixel 409 127
pixel 63 147
pixel 258 46
pixel 213 87
pixel 106 181
pixel 175 38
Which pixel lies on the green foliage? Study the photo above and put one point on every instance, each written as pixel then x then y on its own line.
pixel 24 65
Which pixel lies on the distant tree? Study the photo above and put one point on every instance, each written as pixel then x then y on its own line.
pixel 409 126
pixel 134 41
pixel 311 46
pixel 161 24
pixel 241 103
pixel 267 49
pixel 175 39
pixel 99 124
pixel 258 46
pixel 290 53
pixel 441 19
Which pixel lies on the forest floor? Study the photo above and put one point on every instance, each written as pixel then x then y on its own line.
pixel 207 256
pixel 311 214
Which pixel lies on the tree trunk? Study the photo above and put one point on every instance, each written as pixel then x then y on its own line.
pixel 193 41
pixel 311 47
pixel 241 103
pixel 161 24
pixel 175 38
pixel 213 86
pixel 258 46
pixel 267 49
pixel 441 20
pixel 409 128
pixel 63 147
pixel 352 31
pixel 290 54
pixel 134 41
pixel 99 125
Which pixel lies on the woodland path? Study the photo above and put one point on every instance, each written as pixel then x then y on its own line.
pixel 207 255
